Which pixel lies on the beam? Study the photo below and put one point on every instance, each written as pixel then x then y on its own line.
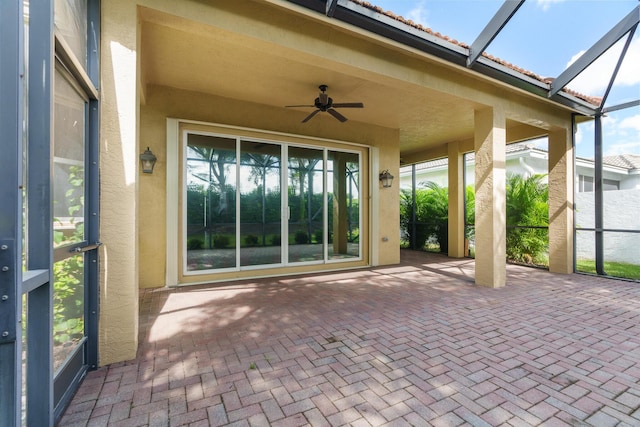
pixel 618 65
pixel 331 7
pixel 629 104
pixel 40 326
pixel 627 24
pixel 11 141
pixel 497 23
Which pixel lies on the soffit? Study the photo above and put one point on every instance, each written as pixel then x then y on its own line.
pixel 211 60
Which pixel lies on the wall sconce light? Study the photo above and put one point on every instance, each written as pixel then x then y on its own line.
pixel 148 160
pixel 386 178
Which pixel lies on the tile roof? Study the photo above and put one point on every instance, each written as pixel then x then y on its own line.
pixel 630 162
pixel 625 161
pixel 590 99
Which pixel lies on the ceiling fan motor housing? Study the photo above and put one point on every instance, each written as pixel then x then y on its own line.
pixel 324 103
pixel 324 107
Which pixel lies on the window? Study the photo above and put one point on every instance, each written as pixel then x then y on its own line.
pixel 585 184
pixel 610 185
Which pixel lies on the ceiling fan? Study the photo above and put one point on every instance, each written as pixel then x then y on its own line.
pixel 325 103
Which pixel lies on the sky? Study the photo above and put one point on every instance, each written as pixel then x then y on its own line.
pixel 545 37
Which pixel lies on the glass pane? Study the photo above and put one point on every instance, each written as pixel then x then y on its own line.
pixel 469 205
pixel 584 173
pixel 68 163
pixel 70 18
pixel 407 228
pixel 68 307
pixel 425 227
pixel 211 208
pixel 343 176
pixel 527 207
pixel 260 204
pixel 621 161
pixel 306 219
pixel 622 255
pixel 586 251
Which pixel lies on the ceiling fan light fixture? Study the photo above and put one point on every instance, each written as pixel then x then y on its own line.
pixel 324 103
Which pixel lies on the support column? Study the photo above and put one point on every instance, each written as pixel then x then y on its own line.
pixel 490 141
pixel 456 201
pixel 561 178
pixel 118 325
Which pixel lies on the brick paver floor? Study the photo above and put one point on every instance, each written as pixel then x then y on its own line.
pixel 415 344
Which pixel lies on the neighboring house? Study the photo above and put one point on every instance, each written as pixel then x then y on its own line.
pixel 620 172
pixel 621 184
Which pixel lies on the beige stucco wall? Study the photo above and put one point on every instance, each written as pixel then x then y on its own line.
pixel 118 322
pixel 490 177
pixel 561 179
pixel 134 114
pixel 133 226
pixel 163 103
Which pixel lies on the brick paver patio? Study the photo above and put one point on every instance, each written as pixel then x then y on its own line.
pixel 416 344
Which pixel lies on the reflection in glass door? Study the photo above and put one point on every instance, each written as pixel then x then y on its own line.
pixel 260 204
pixel 343 171
pixel 210 213
pixel 233 204
pixel 305 198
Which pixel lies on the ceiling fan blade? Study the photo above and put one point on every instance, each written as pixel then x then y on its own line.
pixel 337 115
pixel 348 105
pixel 310 116
pixel 290 106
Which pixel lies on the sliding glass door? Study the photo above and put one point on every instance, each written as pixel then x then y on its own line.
pixel 260 204
pixel 344 205
pixel 210 208
pixel 306 235
pixel 236 216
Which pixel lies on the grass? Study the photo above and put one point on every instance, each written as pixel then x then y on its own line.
pixel 614 269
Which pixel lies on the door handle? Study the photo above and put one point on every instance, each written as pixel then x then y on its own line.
pixel 86 248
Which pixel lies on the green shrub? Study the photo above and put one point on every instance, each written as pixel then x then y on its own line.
pixel 276 240
pixel 221 241
pixel 68 274
pixel 318 235
pixel 432 211
pixel 194 243
pixel 301 237
pixel 527 205
pixel 251 239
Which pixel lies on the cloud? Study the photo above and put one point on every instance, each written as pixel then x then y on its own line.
pixel 622 148
pixel 546 4
pixel 632 123
pixel 595 78
pixel 419 14
pixel 622 135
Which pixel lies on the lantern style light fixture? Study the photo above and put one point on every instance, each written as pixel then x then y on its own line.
pixel 386 178
pixel 148 160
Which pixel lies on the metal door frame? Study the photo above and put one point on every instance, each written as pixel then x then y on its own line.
pixel 36 282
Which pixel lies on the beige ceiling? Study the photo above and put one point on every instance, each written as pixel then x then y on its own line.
pixel 190 56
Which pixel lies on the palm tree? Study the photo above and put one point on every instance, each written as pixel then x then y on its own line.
pixel 527 206
pixel 431 219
